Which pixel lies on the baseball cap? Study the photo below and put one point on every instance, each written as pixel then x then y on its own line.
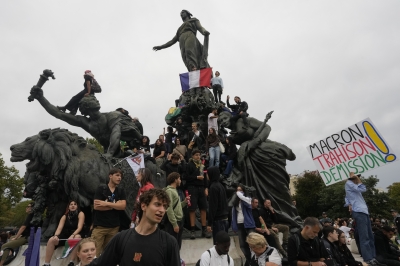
pixel 393 210
pixel 387 228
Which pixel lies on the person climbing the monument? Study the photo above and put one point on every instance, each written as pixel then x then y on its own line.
pixel 194 54
pixel 196 138
pixel 73 104
pixel 158 154
pixel 168 139
pixel 217 86
pixel 212 120
pixel 240 109
pixel 212 147
pixel 229 156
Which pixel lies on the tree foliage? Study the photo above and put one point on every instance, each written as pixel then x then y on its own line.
pixel 95 143
pixel 11 185
pixel 394 195
pixel 313 197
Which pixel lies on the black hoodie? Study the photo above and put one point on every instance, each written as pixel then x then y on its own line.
pixel 218 204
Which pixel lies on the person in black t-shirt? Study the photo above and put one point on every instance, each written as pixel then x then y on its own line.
pixel 168 139
pixel 109 200
pixel 70 226
pixel 73 104
pixel 21 238
pixel 145 244
pixel 260 223
pixel 158 154
pixel 304 247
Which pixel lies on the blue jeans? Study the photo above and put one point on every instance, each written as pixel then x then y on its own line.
pixel 219 225
pixel 214 156
pixel 367 242
pixel 229 165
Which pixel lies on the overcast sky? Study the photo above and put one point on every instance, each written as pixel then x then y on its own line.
pixel 320 65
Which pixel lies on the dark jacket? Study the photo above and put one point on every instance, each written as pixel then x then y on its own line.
pixel 231 151
pixel 309 250
pixel 332 252
pixel 199 141
pixel 218 207
pixel 382 247
pixel 192 172
pixel 240 107
pixel 347 257
pixel 168 167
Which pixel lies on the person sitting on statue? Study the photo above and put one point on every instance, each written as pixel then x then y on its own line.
pixel 180 149
pixel 212 147
pixel 217 86
pixel 168 139
pixel 158 154
pixel 194 55
pixel 229 156
pixel 70 226
pixel 73 104
pixel 240 109
pixel 196 138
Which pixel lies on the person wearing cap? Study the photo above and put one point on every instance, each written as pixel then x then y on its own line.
pixel 325 218
pixel 359 211
pixel 73 104
pixel 384 253
pixel 396 220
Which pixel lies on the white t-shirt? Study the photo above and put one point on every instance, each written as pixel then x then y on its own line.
pixel 212 122
pixel 274 257
pixel 214 258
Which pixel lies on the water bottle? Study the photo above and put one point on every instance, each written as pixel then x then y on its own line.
pixel 187 194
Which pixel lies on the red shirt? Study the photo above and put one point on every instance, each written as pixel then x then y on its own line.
pixel 146 187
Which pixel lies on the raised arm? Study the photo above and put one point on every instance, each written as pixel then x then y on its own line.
pixel 166 45
pixel 77 121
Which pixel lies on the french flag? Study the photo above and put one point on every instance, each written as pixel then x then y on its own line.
pixel 197 78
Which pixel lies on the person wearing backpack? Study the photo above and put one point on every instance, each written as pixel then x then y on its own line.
pixel 218 254
pixel 173 219
pixel 89 88
pixel 261 253
pixel 304 247
pixel 145 244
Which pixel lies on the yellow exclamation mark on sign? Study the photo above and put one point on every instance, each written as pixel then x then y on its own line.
pixel 378 141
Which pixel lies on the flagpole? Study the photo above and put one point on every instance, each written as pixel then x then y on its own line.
pixel 130 156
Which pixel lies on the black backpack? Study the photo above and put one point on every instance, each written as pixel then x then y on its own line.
pixel 229 258
pixel 95 87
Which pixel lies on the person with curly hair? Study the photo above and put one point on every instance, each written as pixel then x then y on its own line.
pixel 145 244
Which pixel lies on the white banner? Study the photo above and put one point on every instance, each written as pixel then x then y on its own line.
pixel 357 148
pixel 136 162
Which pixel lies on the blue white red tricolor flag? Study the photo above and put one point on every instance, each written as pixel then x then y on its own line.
pixel 197 78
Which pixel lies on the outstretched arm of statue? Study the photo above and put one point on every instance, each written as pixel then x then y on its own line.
pixel 168 44
pixel 201 29
pixel 78 121
pixel 114 139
